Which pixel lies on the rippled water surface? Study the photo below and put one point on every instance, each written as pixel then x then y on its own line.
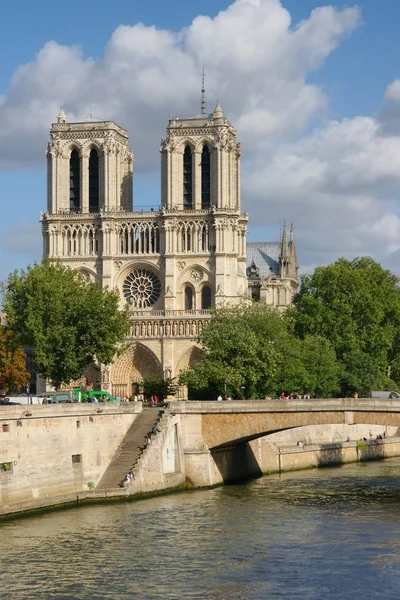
pixel 316 535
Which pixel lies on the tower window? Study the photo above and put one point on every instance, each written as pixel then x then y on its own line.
pixel 205 178
pixel 93 181
pixel 206 300
pixel 187 179
pixel 74 182
pixel 188 298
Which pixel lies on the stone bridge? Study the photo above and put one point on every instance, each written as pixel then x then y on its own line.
pixel 215 434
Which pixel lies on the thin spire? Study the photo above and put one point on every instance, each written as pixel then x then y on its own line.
pixel 203 92
pixel 293 253
pixel 285 245
pixel 284 257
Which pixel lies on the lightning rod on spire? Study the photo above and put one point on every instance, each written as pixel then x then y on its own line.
pixel 203 91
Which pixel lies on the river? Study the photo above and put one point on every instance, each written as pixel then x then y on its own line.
pixel 327 534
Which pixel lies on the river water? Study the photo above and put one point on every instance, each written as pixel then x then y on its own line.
pixel 328 534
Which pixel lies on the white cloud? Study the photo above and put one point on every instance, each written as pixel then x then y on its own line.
pixel 393 90
pixel 256 64
pixel 338 182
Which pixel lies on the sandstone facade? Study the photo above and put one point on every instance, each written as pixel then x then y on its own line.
pixel 171 263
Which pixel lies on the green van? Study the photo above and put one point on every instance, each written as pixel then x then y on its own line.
pixel 97 396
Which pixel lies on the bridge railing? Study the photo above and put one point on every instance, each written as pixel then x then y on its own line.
pixel 313 405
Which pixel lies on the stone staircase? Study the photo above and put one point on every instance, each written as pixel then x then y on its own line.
pixel 130 449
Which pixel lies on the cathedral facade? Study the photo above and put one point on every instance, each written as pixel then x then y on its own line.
pixel 171 264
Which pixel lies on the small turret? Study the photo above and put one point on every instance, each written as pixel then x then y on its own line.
pixel 62 118
pixel 218 114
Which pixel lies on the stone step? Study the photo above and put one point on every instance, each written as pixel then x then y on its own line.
pixel 130 449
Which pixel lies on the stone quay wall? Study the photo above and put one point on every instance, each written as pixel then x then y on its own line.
pixel 56 454
pixel 262 457
pixel 49 453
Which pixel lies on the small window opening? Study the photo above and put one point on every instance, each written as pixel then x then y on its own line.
pixel 187 179
pixel 93 181
pixel 74 182
pixel 76 459
pixel 205 178
pixel 5 428
pixel 188 298
pixel 206 299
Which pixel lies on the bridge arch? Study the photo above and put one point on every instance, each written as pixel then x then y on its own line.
pixel 234 423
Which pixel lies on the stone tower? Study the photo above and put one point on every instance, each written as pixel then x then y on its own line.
pixel 172 263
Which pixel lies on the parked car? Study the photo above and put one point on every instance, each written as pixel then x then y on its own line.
pixel 7 402
pixel 383 394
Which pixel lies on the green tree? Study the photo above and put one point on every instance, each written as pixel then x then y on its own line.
pixel 321 367
pixel 68 322
pixel 239 354
pixel 356 306
pixel 154 386
pixel 361 373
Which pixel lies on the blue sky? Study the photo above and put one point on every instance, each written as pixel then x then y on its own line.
pixel 348 83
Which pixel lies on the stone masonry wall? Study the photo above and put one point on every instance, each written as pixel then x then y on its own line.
pixel 50 453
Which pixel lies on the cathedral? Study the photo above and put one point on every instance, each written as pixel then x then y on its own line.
pixel 173 263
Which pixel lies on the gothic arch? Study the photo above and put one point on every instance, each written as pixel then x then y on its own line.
pixel 92 145
pixel 73 146
pixel 189 359
pixel 205 141
pixel 206 294
pixel 195 268
pixel 79 239
pixel 189 296
pixel 136 363
pixel 87 274
pixel 186 142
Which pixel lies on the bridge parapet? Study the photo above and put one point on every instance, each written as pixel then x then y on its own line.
pixel 286 406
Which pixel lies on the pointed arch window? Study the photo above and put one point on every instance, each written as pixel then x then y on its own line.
pixel 188 298
pixel 74 182
pixel 187 179
pixel 206 299
pixel 93 181
pixel 205 178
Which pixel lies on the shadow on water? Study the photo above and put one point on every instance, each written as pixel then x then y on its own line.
pixel 236 463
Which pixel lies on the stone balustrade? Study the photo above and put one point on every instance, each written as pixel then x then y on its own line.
pixel 168 324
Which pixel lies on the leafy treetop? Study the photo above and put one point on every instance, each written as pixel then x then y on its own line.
pixel 68 322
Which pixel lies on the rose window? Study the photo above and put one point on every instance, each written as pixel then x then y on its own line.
pixel 142 288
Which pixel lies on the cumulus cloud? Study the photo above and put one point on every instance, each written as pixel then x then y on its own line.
pixel 340 184
pixel 256 63
pixel 338 180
